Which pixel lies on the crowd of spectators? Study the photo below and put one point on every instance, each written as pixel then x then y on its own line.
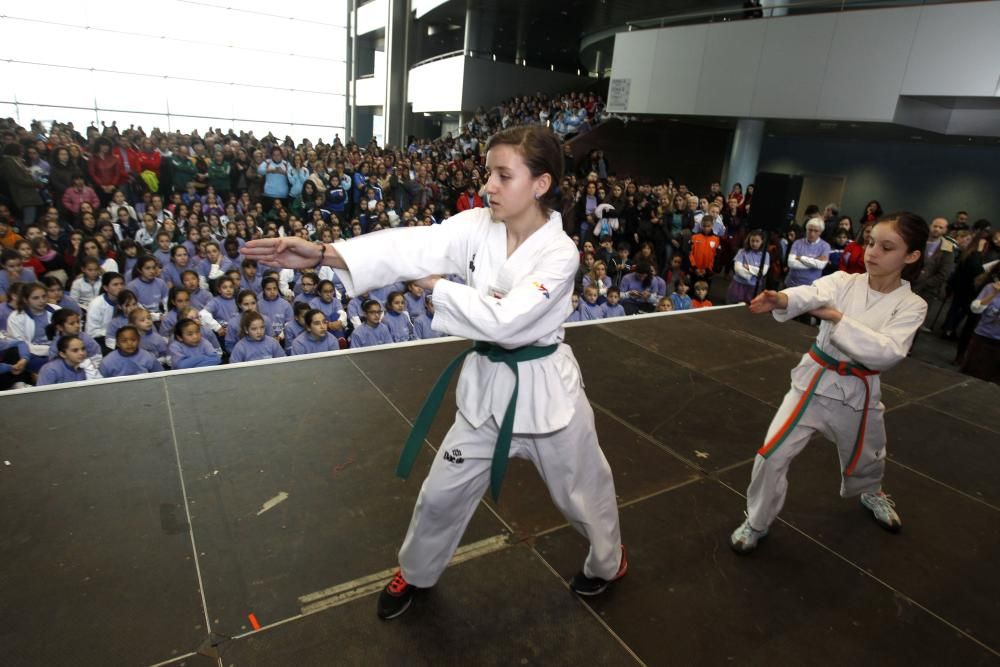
pixel 121 246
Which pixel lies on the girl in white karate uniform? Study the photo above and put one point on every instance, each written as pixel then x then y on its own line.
pixel 869 321
pixel 520 392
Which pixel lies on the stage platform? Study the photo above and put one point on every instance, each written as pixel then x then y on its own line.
pixel 156 521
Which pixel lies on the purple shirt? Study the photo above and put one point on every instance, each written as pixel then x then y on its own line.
pixel 591 312
pixel 153 343
pixel 423 330
pixel 26 276
pixel 233 329
pixel 399 325
pixel 614 311
pixel 151 295
pixel 415 306
pixel 68 303
pixel 802 247
pixel 116 323
pixel 366 336
pixel 292 331
pixel 750 258
pixel 58 371
pixel 186 356
pixel 989 321
pixel 306 344
pixel 22 352
pixel 89 344
pixel 162 256
pixel 172 273
pixel 280 312
pixel 117 364
pixel 222 310
pixel 381 293
pixel 5 311
pixel 200 298
pixel 253 350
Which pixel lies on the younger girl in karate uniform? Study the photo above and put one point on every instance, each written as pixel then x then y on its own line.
pixel 520 392
pixel 869 321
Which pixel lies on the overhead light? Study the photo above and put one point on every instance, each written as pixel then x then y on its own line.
pixel 552 68
pixel 916 136
pixel 494 57
pixel 426 114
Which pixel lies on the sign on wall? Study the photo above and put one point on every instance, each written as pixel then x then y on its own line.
pixel 618 91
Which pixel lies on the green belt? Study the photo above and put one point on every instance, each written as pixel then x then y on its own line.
pixel 501 453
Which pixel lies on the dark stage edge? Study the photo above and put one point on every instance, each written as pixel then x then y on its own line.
pixel 144 521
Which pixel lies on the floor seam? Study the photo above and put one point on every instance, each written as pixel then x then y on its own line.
pixel 187 511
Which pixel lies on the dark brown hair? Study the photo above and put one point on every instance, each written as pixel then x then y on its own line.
pixel 541 151
pixel 915 232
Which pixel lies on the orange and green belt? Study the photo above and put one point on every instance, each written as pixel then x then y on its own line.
pixel 826 363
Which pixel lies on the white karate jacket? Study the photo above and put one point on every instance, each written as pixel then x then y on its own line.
pixel 511 301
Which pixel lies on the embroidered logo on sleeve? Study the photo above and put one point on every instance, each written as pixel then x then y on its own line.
pixel 543 289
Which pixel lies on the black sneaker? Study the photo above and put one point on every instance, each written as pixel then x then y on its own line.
pixel 588 586
pixel 395 598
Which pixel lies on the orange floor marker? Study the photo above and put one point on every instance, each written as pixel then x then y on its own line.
pixel 253 621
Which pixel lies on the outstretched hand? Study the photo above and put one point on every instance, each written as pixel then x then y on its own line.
pixel 767 301
pixel 289 252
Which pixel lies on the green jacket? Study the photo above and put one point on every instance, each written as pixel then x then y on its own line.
pixel 22 187
pixel 184 171
pixel 218 176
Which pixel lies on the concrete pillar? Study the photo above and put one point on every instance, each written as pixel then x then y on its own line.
pixel 396 70
pixel 472 25
pixel 745 153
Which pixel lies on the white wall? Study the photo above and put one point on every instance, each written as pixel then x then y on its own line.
pixel 189 66
pixel 372 16
pixel 837 66
pixel 437 86
pixel 461 83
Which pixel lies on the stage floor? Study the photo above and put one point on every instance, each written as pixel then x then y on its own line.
pixel 153 521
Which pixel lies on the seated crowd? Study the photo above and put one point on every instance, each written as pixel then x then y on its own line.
pixel 121 248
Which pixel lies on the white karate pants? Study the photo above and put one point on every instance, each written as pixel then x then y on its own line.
pixel 837 422
pixel 570 462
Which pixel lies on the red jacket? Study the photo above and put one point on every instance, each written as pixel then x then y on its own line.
pixel 463 202
pixel 106 171
pixel 852 259
pixel 150 161
pixel 133 159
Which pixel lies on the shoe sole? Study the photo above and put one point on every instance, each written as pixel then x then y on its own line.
pixel 621 573
pixel 888 527
pixel 743 551
pixel 398 613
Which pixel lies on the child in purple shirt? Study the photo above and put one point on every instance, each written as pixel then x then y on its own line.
pixel 148 289
pixel 189 349
pixel 128 358
pixel 396 319
pixel 254 342
pixel 372 331
pixel 66 367
pixel 316 337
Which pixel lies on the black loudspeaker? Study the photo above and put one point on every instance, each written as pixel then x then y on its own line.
pixel 775 199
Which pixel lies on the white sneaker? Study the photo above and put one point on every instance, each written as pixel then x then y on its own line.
pixel 20 385
pixel 883 509
pixel 744 539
